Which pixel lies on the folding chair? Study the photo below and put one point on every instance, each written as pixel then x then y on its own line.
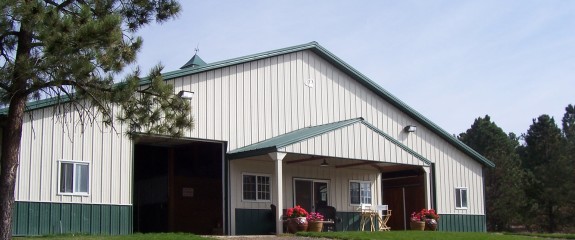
pixel 383 218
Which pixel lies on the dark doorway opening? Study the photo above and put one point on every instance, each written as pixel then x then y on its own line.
pixel 404 193
pixel 178 186
pixel 310 193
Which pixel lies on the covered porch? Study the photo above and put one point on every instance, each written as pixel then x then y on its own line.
pixel 340 164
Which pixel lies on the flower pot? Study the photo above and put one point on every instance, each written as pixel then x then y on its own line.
pixel 314 226
pixel 418 226
pixel 298 224
pixel 430 225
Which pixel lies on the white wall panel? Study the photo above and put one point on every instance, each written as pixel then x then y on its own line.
pixel 338 182
pixel 49 138
pixel 243 104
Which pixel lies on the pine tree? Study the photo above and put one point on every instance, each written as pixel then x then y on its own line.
pixel 503 184
pixel 70 51
pixel 569 134
pixel 547 167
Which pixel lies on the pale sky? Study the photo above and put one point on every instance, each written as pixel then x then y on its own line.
pixel 452 61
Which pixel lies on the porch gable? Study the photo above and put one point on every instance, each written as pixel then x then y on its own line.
pixel 353 139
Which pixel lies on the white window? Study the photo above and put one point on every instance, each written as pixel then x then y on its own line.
pixel 461 198
pixel 74 178
pixel 256 187
pixel 360 192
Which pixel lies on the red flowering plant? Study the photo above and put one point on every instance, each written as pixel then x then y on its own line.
pixel 296 211
pixel 314 216
pixel 423 215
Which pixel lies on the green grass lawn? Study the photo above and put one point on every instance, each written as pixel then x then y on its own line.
pixel 395 235
pixel 137 236
pixel 410 235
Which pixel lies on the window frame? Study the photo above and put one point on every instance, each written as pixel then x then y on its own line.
pixel 74 182
pixel 458 195
pixel 256 175
pixel 360 195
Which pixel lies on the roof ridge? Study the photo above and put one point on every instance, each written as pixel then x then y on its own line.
pixel 346 68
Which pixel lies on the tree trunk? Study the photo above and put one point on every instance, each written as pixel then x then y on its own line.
pixel 12 132
pixel 11 136
pixel 551 226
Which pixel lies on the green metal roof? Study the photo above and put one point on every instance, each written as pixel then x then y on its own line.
pixel 196 61
pixel 40 103
pixel 340 64
pixel 278 142
pixel 272 144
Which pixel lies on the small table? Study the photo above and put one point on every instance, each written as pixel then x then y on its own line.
pixel 367 215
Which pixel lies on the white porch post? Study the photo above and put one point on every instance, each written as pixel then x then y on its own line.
pixel 278 186
pixel 427 185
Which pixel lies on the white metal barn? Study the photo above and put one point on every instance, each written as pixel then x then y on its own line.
pixel 290 126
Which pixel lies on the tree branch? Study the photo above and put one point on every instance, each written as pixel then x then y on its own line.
pixel 5 87
pixel 59 6
pixel 13 33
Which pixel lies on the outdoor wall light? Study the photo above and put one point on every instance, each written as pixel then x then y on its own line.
pixel 410 128
pixel 186 94
pixel 324 164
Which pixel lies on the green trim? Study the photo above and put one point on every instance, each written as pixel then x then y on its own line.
pixel 40 104
pixel 234 61
pixel 346 68
pixel 462 223
pixel 39 218
pixel 397 143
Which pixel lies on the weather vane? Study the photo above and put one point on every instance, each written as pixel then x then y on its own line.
pixel 197 49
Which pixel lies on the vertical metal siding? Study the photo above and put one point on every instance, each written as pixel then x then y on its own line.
pixel 33 218
pixel 244 104
pixel 48 139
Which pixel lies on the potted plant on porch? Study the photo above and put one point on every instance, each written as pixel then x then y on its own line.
pixel 417 221
pixel 314 221
pixel 426 219
pixel 297 221
pixel 431 218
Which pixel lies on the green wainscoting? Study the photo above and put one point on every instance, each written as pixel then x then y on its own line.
pixel 37 218
pixel 349 221
pixel 260 221
pixel 254 221
pixel 462 223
